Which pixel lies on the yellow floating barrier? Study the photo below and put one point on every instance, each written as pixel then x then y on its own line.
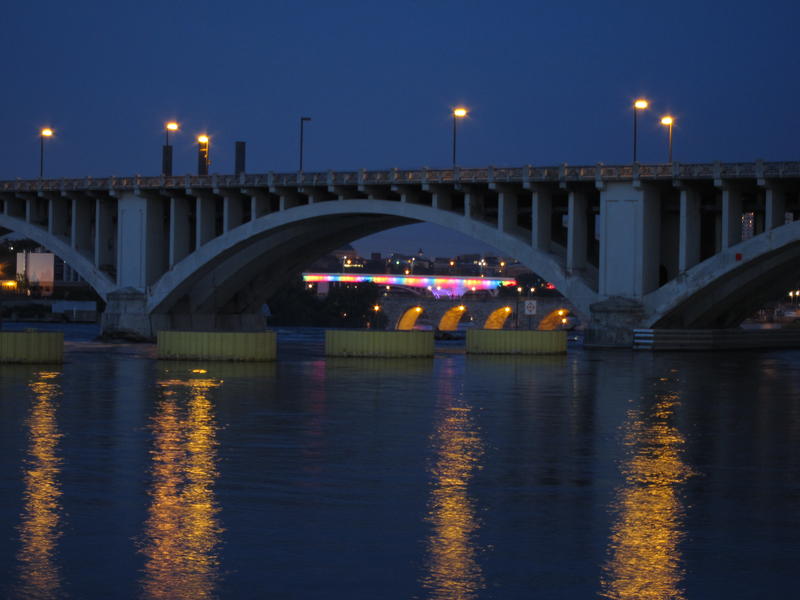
pixel 394 344
pixel 217 345
pixel 31 347
pixel 503 341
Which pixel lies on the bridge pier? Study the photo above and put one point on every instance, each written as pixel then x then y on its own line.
pixel 612 323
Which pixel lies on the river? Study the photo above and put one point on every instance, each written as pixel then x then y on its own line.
pixel 599 474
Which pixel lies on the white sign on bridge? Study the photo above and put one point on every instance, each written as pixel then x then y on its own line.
pixel 530 307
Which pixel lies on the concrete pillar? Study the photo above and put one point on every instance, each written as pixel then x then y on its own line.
pixel 629 240
pixel 58 217
pixel 577 228
pixel 775 207
pixel 541 218
pixel 689 244
pixel 140 231
pixel 731 217
pixel 233 212
pixel 104 240
pixel 82 225
pixel 205 215
pixel 441 198
pixel 180 237
pixel 474 204
pixel 507 211
pixel 259 203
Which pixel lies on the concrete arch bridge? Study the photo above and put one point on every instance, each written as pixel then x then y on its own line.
pixel 695 245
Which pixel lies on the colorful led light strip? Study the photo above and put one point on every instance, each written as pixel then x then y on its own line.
pixel 434 283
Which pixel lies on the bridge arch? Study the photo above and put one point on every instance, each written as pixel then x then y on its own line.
pixel 554 320
pixel 99 281
pixel 452 317
pixel 725 289
pixel 497 319
pixel 409 318
pixel 258 256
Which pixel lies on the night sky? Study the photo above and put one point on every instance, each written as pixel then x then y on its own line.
pixel 546 83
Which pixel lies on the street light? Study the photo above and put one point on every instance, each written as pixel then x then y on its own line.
pixel 203 143
pixel 166 151
pixel 668 121
pixel 458 113
pixel 640 104
pixel 46 132
pixel 302 123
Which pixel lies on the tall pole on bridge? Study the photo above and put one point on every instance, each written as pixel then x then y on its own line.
pixel 458 113
pixel 640 104
pixel 668 121
pixel 302 123
pixel 166 154
pixel 203 143
pixel 46 132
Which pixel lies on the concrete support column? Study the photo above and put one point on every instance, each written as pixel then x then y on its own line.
pixel 473 204
pixel 15 207
pixel 205 215
pixel 58 220
pixel 140 231
pixel 180 238
pixel 775 207
pixel 629 240
pixel 731 217
pixel 82 225
pixel 541 218
pixel 259 203
pixel 232 212
pixel 440 197
pixel 507 211
pixel 577 230
pixel 104 240
pixel 689 243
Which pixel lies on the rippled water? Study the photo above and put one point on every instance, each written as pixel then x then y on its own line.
pixel 599 474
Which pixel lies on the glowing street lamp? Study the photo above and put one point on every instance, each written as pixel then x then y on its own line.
pixel 166 151
pixel 203 143
pixel 668 121
pixel 640 104
pixel 458 113
pixel 46 132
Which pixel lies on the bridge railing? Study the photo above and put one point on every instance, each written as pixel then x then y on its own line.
pixel 526 174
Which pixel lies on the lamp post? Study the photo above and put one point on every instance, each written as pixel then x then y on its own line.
pixel 640 104
pixel 458 113
pixel 302 123
pixel 203 144
pixel 668 121
pixel 166 152
pixel 46 132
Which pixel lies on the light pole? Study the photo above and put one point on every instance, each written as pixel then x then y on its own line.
pixel 640 104
pixel 668 121
pixel 302 123
pixel 46 132
pixel 203 144
pixel 458 113
pixel 166 153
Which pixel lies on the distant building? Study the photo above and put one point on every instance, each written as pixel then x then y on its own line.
pixel 38 269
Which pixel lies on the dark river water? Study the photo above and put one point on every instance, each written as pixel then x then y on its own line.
pixel 599 474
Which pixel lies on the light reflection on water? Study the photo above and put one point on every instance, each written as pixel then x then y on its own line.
pixel 182 531
pixel 645 560
pixel 453 570
pixel 40 524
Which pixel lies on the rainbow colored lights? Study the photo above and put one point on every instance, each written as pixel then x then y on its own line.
pixel 438 285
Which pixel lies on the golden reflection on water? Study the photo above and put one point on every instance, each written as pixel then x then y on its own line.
pixel 644 555
pixel 39 575
pixel 182 531
pixel 453 570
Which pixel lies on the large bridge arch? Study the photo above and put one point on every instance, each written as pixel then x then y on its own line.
pixel 99 281
pixel 725 289
pixel 261 254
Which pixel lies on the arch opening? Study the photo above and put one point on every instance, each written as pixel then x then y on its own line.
pixel 451 318
pixel 409 319
pixel 558 319
pixel 498 318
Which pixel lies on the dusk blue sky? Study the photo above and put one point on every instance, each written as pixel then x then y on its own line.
pixel 546 83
